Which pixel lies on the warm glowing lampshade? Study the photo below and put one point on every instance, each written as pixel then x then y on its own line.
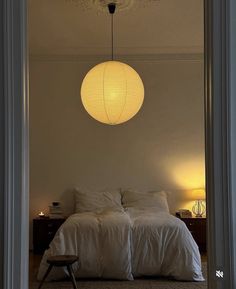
pixel 199 194
pixel 112 92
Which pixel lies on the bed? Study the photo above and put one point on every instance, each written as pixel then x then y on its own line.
pixel 125 236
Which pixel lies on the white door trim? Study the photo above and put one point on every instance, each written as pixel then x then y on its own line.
pixel 16 145
pixel 218 134
pixel 220 68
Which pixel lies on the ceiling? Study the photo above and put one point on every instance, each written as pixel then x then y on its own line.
pixel 63 27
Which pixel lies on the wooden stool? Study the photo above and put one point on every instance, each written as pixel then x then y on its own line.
pixel 61 261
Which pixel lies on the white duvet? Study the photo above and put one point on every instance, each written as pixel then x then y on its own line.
pixel 126 244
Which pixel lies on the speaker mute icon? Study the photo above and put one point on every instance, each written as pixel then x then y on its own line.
pixel 219 274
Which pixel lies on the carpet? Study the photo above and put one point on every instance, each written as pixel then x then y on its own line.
pixel 144 283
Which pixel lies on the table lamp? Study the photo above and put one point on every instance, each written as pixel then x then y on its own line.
pixel 199 208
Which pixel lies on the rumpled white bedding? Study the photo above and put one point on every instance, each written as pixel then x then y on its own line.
pixel 126 244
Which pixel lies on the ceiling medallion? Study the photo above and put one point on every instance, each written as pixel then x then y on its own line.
pixel 121 5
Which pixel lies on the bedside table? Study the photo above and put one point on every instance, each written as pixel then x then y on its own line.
pixel 197 227
pixel 44 230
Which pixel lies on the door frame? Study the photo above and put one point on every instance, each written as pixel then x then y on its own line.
pixel 220 109
pixel 16 140
pixel 220 147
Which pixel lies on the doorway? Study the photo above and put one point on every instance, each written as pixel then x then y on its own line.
pixel 68 147
pixel 17 224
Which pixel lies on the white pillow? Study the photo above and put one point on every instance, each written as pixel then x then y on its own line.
pixel 157 200
pixel 97 201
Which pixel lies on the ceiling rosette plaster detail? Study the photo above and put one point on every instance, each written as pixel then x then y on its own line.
pixel 121 5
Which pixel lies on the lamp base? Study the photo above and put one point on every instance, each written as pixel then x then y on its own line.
pixel 198 216
pixel 199 208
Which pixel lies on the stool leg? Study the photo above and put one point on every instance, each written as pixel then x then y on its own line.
pixel 45 275
pixel 72 276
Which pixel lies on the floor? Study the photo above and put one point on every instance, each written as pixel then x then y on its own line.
pixel 144 283
pixel 34 261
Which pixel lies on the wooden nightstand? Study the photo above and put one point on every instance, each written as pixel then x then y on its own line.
pixel 197 227
pixel 44 230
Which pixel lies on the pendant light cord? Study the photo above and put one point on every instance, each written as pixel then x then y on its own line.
pixel 112 37
pixel 112 9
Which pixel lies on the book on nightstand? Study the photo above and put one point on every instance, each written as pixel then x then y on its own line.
pixel 55 211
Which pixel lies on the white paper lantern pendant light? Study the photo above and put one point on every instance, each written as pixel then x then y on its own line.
pixel 112 92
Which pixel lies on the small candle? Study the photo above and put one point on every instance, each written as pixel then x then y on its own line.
pixel 41 214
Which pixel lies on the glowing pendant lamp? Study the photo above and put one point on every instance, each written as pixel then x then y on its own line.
pixel 112 92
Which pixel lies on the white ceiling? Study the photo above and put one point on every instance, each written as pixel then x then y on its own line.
pixel 62 27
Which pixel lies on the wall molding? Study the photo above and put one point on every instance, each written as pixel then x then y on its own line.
pixel 65 49
pixel 198 57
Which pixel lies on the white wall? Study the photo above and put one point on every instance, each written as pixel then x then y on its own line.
pixel 161 148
